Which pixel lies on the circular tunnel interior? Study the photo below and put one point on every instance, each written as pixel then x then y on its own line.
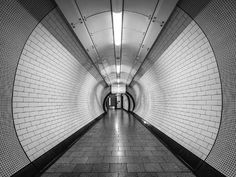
pixel 60 61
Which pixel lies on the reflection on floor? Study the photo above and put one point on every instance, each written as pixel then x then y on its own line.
pixel 118 146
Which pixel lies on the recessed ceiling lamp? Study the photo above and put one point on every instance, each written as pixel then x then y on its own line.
pixel 118 80
pixel 117 15
pixel 118 69
pixel 117 23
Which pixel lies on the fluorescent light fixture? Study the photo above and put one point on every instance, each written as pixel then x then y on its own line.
pixel 117 23
pixel 118 69
pixel 118 88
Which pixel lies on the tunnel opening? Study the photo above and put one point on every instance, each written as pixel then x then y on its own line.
pixel 118 101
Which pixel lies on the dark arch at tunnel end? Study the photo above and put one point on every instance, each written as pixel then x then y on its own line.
pixel 104 102
pixel 129 96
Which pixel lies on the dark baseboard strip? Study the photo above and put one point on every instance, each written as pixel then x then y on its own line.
pixel 199 167
pixel 39 165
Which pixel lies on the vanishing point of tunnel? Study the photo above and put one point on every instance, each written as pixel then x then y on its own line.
pixel 118 88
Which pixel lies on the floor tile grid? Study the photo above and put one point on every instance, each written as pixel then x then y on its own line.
pixel 118 145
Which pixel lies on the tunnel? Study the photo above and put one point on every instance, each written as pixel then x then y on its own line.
pixel 118 88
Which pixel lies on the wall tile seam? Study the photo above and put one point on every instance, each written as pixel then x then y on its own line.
pixel 200 65
pixel 32 74
pixel 193 59
pixel 43 121
pixel 41 83
pixel 38 42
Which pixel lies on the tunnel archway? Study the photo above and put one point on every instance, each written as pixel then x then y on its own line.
pixel 126 102
pixel 49 84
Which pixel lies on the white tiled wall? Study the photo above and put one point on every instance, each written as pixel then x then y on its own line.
pixel 181 93
pixel 218 21
pixel 54 95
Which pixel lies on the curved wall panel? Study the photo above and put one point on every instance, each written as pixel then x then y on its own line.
pixel 54 95
pixel 218 21
pixel 18 19
pixel 181 93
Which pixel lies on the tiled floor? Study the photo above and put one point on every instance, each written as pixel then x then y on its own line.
pixel 118 146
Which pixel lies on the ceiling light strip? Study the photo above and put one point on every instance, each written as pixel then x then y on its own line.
pixel 117 7
pixel 117 25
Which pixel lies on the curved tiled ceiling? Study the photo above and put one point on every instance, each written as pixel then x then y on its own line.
pixel 93 24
